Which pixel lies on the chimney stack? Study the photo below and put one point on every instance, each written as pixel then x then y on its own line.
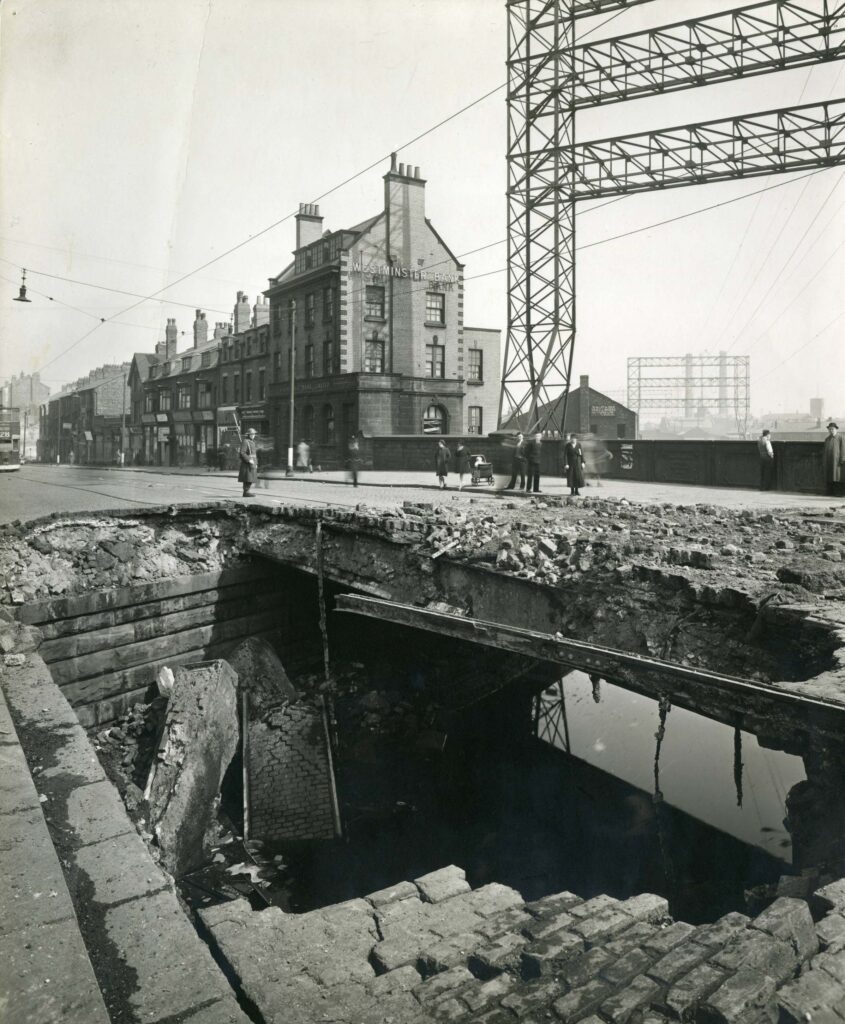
pixel 404 200
pixel 261 312
pixel 309 224
pixel 242 313
pixel 200 329
pixel 170 334
pixel 221 330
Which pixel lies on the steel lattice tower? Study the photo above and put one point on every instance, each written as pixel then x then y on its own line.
pixel 550 77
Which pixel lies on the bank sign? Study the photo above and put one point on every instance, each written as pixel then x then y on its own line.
pixel 397 270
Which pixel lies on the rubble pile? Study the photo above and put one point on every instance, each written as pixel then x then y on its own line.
pixel 557 539
pixel 64 556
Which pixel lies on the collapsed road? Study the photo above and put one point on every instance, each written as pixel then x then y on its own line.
pixel 416 646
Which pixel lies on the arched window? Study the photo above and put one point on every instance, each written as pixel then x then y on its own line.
pixel 328 424
pixel 308 422
pixel 434 420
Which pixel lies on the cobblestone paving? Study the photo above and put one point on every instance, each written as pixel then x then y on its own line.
pixel 437 951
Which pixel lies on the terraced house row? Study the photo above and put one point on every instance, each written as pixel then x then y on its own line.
pixel 369 321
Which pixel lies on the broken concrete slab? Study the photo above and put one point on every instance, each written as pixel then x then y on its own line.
pixel 119 869
pixel 199 740
pixel 261 672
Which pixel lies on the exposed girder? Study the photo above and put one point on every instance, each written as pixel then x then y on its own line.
pixel 584 8
pixel 754 40
pixel 686 360
pixel 771 142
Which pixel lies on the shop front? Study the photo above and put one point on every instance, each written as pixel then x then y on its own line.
pixel 183 443
pixel 257 416
pixel 205 438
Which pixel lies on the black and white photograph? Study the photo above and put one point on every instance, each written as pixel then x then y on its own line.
pixel 422 511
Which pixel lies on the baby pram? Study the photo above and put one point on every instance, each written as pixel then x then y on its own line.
pixel 482 470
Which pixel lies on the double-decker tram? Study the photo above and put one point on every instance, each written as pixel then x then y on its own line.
pixel 10 439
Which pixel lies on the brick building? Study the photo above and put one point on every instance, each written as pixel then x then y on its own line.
pixel 374 317
pixel 83 422
pixel 588 412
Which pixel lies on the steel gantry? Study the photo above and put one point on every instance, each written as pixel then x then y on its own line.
pixel 550 77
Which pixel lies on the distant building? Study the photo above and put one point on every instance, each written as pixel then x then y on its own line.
pixel 85 418
pixel 587 412
pixel 27 393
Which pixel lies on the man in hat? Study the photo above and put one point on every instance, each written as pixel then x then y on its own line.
pixel 248 472
pixel 834 461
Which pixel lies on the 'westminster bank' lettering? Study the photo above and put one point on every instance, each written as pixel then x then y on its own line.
pixel 396 271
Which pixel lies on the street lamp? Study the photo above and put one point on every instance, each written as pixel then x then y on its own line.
pixel 289 470
pixel 21 296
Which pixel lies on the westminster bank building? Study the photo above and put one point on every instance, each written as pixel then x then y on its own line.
pixel 374 316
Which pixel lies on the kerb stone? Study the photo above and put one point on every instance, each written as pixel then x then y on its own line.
pixel 790 921
pixel 441 885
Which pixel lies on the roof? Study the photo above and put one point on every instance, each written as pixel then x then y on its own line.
pixel 520 422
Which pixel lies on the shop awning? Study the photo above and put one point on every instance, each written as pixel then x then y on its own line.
pixel 162 417
pixel 204 416
pixel 182 416
pixel 88 435
pixel 227 415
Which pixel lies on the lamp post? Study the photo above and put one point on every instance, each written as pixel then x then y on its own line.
pixel 289 470
pixel 123 426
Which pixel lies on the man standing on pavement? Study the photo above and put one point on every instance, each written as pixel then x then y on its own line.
pixel 518 465
pixel 248 455
pixel 834 461
pixel 533 447
pixel 767 461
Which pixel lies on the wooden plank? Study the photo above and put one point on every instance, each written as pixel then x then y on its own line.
pixel 118 701
pixel 696 689
pixel 106 662
pixel 78 646
pixel 150 609
pixel 102 600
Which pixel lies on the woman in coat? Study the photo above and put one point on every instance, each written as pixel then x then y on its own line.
pixel 442 458
pixel 573 457
pixel 248 473
pixel 461 464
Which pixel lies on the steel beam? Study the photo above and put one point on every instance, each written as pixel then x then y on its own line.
pixel 586 8
pixel 727 698
pixel 541 213
pixel 771 142
pixel 754 40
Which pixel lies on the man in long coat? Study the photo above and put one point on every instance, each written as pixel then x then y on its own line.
pixel 518 464
pixel 248 473
pixel 834 461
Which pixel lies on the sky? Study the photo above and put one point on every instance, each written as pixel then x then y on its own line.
pixel 145 138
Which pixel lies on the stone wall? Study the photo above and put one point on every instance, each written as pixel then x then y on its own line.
pixel 290 780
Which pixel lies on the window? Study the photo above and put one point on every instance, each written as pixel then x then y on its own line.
pixel 236 388
pixel 474 419
pixel 621 430
pixel 164 401
pixel 308 422
pixel 204 395
pixel 475 364
pixel 237 352
pixel 262 343
pixel 435 359
pixel 206 360
pixel 328 303
pixel 165 369
pixel 224 389
pixel 277 366
pixel 309 309
pixel 149 401
pixel 153 371
pixel 249 346
pixel 277 321
pixel 186 363
pixel 328 424
pixel 435 308
pixel 374 355
pixel 262 385
pixel 183 396
pixel 374 305
pixel 248 386
pixel 434 420
pixel 309 360
pixel 224 353
pixel 328 356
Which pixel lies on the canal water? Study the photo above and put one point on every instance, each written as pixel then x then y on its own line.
pixel 512 804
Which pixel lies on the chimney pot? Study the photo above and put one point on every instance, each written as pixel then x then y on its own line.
pixel 401 169
pixel 416 172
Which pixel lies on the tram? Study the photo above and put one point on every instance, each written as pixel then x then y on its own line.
pixel 10 439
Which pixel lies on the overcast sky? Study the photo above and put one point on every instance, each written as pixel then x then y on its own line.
pixel 142 138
